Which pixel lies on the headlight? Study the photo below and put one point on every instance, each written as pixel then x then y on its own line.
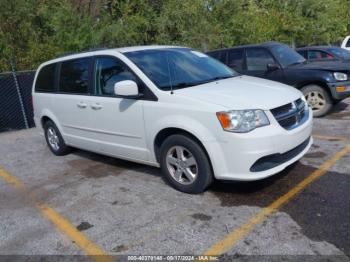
pixel 340 76
pixel 305 101
pixel 303 98
pixel 242 121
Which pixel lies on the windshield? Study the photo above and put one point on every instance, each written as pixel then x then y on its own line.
pixel 286 55
pixel 179 67
pixel 340 52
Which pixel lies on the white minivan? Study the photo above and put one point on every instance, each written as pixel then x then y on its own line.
pixel 174 108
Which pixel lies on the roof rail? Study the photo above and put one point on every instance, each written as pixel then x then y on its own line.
pixel 84 51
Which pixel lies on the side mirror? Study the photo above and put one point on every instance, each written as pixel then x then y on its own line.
pixel 127 89
pixel 272 67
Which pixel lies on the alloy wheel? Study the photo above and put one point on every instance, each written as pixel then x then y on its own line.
pixel 316 100
pixel 53 138
pixel 182 165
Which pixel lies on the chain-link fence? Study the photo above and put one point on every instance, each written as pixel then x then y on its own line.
pixel 16 110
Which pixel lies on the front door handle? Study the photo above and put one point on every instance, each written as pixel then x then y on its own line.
pixel 82 105
pixel 96 106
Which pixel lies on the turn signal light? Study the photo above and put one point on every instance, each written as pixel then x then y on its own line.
pixel 340 88
pixel 224 120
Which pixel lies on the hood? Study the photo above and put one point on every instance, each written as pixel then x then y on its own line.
pixel 329 66
pixel 242 92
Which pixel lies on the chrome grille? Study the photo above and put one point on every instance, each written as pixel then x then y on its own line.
pixel 291 115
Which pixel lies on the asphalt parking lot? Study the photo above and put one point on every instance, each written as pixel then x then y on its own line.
pixel 51 205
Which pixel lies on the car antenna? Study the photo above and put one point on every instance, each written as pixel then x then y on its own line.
pixel 170 80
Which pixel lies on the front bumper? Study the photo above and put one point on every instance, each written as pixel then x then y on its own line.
pixel 235 158
pixel 337 86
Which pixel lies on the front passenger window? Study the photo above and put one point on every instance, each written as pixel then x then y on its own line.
pixel 258 58
pixel 108 71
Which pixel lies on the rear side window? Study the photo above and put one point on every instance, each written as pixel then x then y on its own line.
pixel 348 43
pixel 74 76
pixel 235 59
pixel 45 81
pixel 258 58
pixel 317 55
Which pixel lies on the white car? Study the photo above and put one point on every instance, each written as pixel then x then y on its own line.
pixel 174 108
pixel 346 43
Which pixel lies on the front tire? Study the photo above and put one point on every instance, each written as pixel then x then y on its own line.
pixel 185 164
pixel 55 140
pixel 318 99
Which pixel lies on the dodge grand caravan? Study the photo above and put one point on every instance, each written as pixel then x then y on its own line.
pixel 174 108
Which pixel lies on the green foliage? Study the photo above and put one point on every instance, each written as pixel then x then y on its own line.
pixel 33 31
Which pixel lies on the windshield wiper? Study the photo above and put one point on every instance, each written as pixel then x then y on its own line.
pixel 188 84
pixel 180 85
pixel 214 79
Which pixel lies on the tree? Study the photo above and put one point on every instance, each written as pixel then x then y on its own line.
pixel 33 31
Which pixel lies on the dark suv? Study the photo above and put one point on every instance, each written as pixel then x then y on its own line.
pixel 324 53
pixel 323 84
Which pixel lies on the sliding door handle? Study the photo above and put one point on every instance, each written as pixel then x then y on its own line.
pixel 82 105
pixel 96 106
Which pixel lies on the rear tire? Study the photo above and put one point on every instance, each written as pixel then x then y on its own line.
pixel 318 99
pixel 185 164
pixel 55 140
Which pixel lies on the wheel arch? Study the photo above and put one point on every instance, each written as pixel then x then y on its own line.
pixel 49 116
pixel 44 120
pixel 163 134
pixel 318 83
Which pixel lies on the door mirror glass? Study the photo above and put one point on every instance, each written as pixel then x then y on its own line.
pixel 272 67
pixel 127 89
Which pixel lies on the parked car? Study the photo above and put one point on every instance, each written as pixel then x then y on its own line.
pixel 323 84
pixel 324 54
pixel 171 107
pixel 346 43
